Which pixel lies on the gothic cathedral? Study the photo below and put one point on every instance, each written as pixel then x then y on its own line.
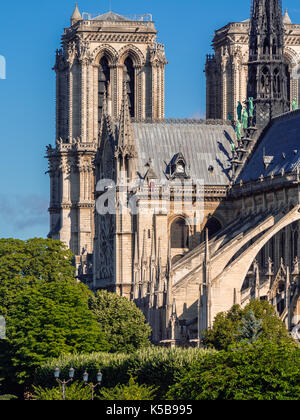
pixel 184 217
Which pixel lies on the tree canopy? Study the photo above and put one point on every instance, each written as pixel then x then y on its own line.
pixel 46 309
pixel 123 323
pixel 235 325
pixel 27 262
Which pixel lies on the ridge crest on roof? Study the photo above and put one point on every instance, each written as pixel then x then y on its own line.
pixel 112 17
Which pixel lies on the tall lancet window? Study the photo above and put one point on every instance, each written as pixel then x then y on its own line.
pixel 130 81
pixel 104 78
pixel 179 234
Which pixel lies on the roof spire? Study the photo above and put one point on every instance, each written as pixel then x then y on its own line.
pixel 76 16
pixel 126 133
pixel 286 18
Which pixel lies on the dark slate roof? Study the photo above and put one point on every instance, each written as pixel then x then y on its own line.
pixel 202 145
pixel 282 142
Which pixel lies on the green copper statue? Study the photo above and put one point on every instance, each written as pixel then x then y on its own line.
pixel 245 119
pixel 229 117
pixel 232 146
pixel 251 107
pixel 239 111
pixel 294 104
pixel 238 131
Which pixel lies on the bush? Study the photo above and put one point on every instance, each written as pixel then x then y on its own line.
pixel 130 392
pixel 123 323
pixel 154 366
pixel 73 392
pixel 261 371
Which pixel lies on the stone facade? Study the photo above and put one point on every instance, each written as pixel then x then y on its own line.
pixel 78 111
pixel 227 69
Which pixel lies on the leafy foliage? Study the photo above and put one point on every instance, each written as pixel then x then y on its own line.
pixel 46 309
pixel 132 392
pixel 26 262
pixel 123 323
pixel 154 366
pixel 262 371
pixel 73 392
pixel 227 326
pixel 7 397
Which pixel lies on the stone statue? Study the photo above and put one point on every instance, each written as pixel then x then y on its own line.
pixel 245 119
pixel 239 111
pixel 294 104
pixel 238 130
pixel 251 107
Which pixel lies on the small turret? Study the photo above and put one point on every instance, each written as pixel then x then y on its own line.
pixel 286 18
pixel 76 16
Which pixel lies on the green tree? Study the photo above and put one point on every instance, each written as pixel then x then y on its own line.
pixel 130 392
pixel 123 323
pixel 45 308
pixel 262 371
pixel 26 262
pixel 250 329
pixel 50 319
pixel 228 326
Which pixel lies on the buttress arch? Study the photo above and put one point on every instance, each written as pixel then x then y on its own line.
pixel 230 281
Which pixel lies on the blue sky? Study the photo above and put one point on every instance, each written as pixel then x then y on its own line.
pixel 29 35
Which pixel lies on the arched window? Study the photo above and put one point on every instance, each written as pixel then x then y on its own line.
pixel 214 226
pixel 104 79
pixel 179 234
pixel 265 80
pixel 266 46
pixel 130 81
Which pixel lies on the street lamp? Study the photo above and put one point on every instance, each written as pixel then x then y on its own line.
pixel 91 385
pixel 64 382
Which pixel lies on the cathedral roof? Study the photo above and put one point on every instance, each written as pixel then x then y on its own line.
pixel 205 148
pixel 279 147
pixel 111 17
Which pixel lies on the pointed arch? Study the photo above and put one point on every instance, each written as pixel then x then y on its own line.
pixel 179 233
pixel 233 277
pixel 105 50
pixel 134 53
pixel 129 78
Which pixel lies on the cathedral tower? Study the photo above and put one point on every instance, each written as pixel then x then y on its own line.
pixel 227 69
pixel 100 54
pixel 268 76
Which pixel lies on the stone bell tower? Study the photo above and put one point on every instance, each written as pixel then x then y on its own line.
pixel 98 55
pixel 268 75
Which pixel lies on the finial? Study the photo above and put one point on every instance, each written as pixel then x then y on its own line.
pixel 76 16
pixel 286 18
pixel 126 132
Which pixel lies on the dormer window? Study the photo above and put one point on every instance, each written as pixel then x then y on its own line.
pixel 177 167
pixel 180 167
